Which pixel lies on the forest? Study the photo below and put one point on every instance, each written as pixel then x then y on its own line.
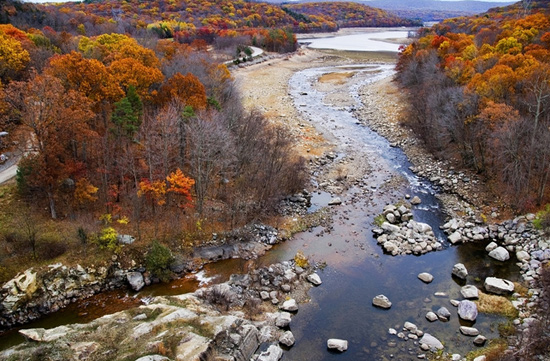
pixel 479 93
pixel 129 133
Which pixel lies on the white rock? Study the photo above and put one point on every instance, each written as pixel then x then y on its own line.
pixel 498 286
pixel 287 339
pixel 469 331
pixel 491 246
pixel 432 342
pixel 381 301
pixel 337 344
pixel 469 292
pixel 523 256
pixel 136 281
pixel 460 271
pixel 480 358
pixel 455 237
pixel 273 353
pixel 430 316
pixel 153 358
pixel 335 201
pixel 314 279
pixel 283 319
pixel 426 277
pixel 290 305
pixel 500 254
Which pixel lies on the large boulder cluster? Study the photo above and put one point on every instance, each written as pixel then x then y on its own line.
pixel 398 233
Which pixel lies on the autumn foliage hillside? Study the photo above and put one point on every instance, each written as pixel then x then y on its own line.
pixel 480 92
pixel 126 133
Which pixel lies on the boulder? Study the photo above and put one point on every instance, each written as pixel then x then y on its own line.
pixel 283 319
pixel 523 256
pixel 337 344
pixel 287 339
pixel 469 292
pixel 500 254
pixel 136 281
pixel 498 286
pixel 416 200
pixel 469 331
pixel 335 201
pixel 481 358
pixel 390 217
pixel 460 271
pixel 430 316
pixel 273 353
pixel 443 314
pixel 26 283
pixel 426 277
pixel 290 305
pixel 314 279
pixel 467 310
pixel 491 246
pixel 153 358
pixel 381 301
pixel 431 342
pixel 455 237
pixel 480 340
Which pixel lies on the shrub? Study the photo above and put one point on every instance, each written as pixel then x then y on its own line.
pixel 301 260
pixel 108 239
pixel 542 220
pixel 158 261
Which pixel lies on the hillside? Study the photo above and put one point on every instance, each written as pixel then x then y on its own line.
pixel 484 83
pixel 208 18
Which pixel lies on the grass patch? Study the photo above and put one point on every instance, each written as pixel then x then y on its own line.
pixel 335 78
pixel 492 352
pixel 379 220
pixel 493 304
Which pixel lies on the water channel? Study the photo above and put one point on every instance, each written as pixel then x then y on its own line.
pixel 356 267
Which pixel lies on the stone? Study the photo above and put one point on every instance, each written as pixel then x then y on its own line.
pixel 416 200
pixel 432 342
pixel 26 283
pixel 314 279
pixel 455 237
pixel 498 286
pixel 287 339
pixel 273 353
pixel 467 310
pixel 469 292
pixel 455 357
pixel 283 319
pixel 469 331
pixel 430 316
pixel 443 314
pixel 390 217
pixel 381 301
pixel 480 340
pixel 491 246
pixel 426 277
pixel 500 254
pixel 125 239
pixel 409 326
pixel 153 358
pixel 335 201
pixel 523 256
pixel 460 271
pixel 480 358
pixel 290 305
pixel 337 344
pixel 136 281
pixel 34 334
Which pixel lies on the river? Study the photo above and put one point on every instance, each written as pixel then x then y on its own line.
pixel 356 267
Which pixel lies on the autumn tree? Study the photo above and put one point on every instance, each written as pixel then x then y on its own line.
pixel 57 121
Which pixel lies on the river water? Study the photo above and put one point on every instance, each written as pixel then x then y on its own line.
pixel 356 268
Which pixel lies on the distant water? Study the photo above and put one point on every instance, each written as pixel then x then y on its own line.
pixel 376 41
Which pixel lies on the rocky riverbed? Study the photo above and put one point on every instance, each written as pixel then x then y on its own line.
pixel 244 319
